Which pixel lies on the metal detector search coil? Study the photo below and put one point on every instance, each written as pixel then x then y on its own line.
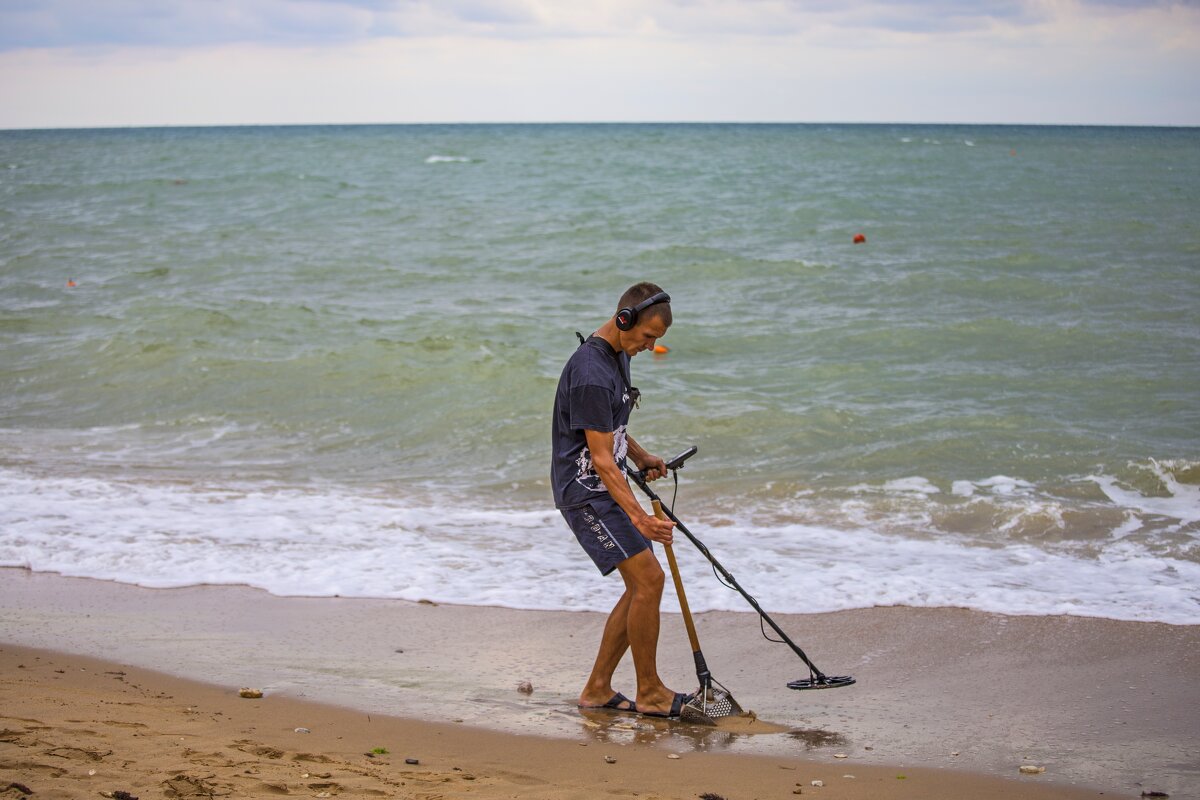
pixel 816 679
pixel 823 682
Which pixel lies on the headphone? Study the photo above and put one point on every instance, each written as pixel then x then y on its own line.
pixel 627 317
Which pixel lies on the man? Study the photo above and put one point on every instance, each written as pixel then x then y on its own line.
pixel 591 442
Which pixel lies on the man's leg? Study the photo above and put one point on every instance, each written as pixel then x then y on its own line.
pixel 644 584
pixel 613 644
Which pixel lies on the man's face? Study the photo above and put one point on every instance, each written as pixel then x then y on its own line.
pixel 643 336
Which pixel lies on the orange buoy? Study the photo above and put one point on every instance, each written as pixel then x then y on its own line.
pixel 70 284
pixel 661 350
pixel 860 238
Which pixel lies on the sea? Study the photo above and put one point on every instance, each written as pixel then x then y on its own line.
pixel 321 360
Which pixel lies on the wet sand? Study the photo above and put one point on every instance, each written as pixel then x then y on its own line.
pixel 945 696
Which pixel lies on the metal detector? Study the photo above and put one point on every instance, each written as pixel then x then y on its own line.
pixel 816 679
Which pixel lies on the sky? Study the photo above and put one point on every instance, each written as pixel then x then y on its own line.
pixel 92 63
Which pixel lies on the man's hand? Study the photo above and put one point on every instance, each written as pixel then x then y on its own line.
pixel 652 467
pixel 655 529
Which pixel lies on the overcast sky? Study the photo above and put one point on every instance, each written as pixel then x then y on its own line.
pixel 79 63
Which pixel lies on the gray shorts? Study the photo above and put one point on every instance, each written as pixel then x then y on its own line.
pixel 605 531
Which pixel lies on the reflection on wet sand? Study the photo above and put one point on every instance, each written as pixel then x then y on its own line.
pixel 615 727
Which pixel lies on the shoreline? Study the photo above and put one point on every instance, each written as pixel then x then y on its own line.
pixel 998 691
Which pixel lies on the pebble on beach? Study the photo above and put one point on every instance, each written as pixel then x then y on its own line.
pixel 250 694
pixel 609 760
pixel 525 687
pixel 1030 769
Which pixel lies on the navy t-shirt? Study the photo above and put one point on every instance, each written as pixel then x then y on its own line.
pixel 593 394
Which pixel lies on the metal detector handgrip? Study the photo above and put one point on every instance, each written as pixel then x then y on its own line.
pixel 671 464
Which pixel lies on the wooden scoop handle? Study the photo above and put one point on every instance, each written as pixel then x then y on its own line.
pixel 683 603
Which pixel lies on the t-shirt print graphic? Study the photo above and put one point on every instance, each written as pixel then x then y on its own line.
pixel 586 476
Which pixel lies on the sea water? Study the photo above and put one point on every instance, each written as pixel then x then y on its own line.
pixel 321 360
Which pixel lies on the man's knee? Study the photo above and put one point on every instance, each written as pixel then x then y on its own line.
pixel 655 580
pixel 643 574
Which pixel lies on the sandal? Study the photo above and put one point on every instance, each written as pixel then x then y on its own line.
pixel 676 707
pixel 618 702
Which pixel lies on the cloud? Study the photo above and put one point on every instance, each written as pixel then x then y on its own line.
pixel 179 23
pixel 185 23
pixel 135 62
pixel 190 23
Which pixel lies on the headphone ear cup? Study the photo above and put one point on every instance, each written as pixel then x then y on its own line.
pixel 625 319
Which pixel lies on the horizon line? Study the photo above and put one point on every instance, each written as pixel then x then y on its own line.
pixel 496 123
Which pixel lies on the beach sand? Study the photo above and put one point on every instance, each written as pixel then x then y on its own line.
pixel 954 701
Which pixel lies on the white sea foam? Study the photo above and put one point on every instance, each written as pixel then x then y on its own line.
pixel 912 485
pixel 435 159
pixel 1181 503
pixel 324 541
pixel 998 484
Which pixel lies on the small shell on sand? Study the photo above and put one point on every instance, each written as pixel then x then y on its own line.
pixel 250 694
pixel 1029 769
pixel 818 784
pixel 672 755
pixel 609 760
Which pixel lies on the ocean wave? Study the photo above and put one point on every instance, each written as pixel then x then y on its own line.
pixel 1147 501
pixel 342 541
pixel 1177 503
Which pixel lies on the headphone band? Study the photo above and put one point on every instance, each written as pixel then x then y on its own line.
pixel 653 300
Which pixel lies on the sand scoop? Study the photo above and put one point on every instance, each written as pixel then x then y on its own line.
pixel 714 700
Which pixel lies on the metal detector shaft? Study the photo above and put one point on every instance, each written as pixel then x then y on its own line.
pixel 640 480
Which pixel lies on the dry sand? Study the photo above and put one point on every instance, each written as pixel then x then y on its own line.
pixel 1107 707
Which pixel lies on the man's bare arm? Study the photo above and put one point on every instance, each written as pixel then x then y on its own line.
pixel 601 446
